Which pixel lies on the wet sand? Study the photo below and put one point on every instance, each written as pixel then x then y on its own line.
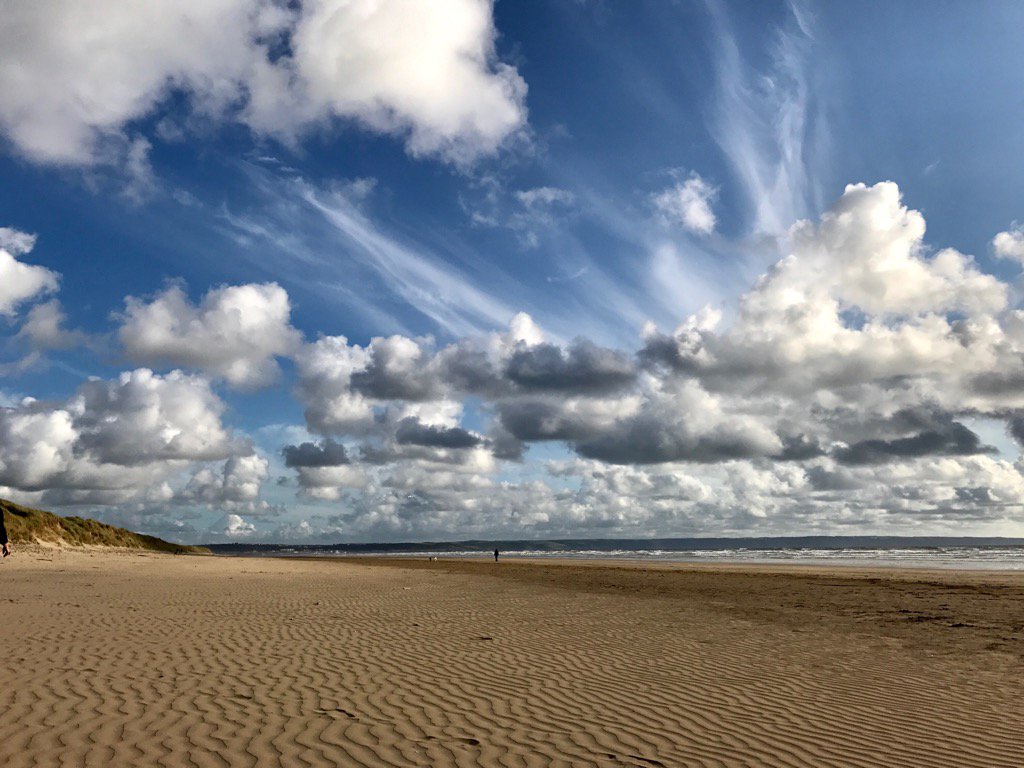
pixel 127 659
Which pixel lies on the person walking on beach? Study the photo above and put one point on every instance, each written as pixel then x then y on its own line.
pixel 495 555
pixel 3 536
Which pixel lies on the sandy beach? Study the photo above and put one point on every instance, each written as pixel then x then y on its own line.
pixel 118 659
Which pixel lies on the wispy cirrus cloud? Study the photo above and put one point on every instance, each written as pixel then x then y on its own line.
pixel 770 124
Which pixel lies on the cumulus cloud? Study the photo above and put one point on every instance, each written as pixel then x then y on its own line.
pixel 123 440
pixel 36 445
pixel 142 417
pixel 238 481
pixel 44 328
pixel 20 282
pixel 583 367
pixel 231 527
pixel 74 77
pixel 323 454
pixel 1010 244
pixel 951 439
pixel 325 370
pixel 688 204
pixel 857 301
pixel 234 333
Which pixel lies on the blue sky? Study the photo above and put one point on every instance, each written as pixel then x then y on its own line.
pixel 496 270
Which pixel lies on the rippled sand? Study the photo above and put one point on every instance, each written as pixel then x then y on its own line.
pixel 121 659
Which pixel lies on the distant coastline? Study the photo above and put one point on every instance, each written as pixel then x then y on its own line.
pixel 694 544
pixel 944 552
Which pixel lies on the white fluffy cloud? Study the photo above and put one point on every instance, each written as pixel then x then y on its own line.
pixel 857 302
pixel 1010 244
pixel 121 440
pixel 230 527
pixel 688 203
pixel 234 333
pixel 20 282
pixel 237 481
pixel 74 74
pixel 142 417
pixel 36 445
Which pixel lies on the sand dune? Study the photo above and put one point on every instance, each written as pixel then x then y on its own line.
pixel 185 661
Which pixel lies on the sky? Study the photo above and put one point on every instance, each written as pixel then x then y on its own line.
pixel 393 270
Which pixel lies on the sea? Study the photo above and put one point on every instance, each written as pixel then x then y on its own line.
pixel 958 553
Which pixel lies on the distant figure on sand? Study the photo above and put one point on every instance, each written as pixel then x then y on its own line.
pixel 7 545
pixel 495 555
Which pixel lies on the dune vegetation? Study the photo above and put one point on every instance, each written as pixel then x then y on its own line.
pixel 34 526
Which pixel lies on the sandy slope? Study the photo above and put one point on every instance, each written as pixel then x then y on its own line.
pixel 177 661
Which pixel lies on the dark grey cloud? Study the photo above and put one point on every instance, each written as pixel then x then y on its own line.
pixel 412 432
pixel 649 440
pixel 838 479
pixel 539 420
pixel 952 439
pixel 662 351
pixel 800 448
pixel 326 453
pixel 505 445
pixel 1016 427
pixel 379 455
pixel 467 368
pixel 584 367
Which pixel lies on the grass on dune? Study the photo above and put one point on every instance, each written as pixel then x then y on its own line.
pixel 26 525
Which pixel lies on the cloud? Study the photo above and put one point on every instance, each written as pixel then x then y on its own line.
pixel 324 454
pixel 583 367
pixel 331 483
pixel 681 423
pixel 75 80
pixel 688 203
pixel 426 70
pixel 544 197
pixel 231 527
pixel 325 370
pixel 118 441
pixel 44 328
pixel 238 481
pixel 394 371
pixel 770 124
pixel 1010 244
pixel 425 281
pixel 857 301
pixel 35 445
pixel 20 282
pixel 142 417
pixel 234 333
pixel 412 432
pixel 528 213
pixel 16 242
pixel 949 439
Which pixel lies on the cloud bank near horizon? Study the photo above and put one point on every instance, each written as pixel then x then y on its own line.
pixel 838 395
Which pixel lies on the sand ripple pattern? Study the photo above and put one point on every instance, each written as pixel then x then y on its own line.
pixel 200 662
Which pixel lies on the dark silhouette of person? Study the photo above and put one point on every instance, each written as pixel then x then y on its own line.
pixel 496 555
pixel 3 536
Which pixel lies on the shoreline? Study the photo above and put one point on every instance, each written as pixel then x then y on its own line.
pixel 887 570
